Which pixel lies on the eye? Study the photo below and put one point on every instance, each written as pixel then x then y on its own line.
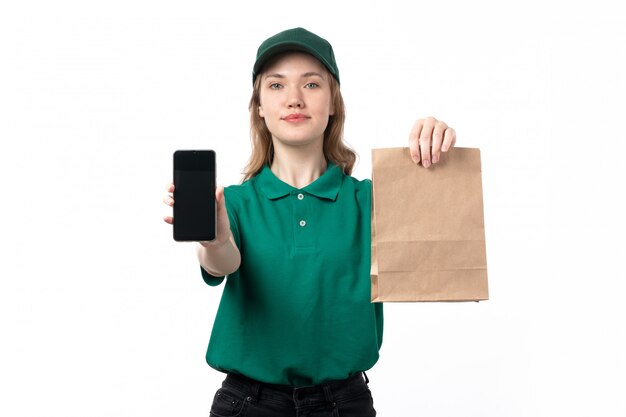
pixel 275 86
pixel 311 85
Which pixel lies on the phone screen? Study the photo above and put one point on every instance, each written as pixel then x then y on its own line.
pixel 194 195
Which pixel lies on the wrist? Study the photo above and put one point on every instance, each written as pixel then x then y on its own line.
pixel 216 243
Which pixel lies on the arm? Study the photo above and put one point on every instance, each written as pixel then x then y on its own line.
pixel 219 259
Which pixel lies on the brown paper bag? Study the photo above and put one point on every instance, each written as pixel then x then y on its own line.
pixel 428 235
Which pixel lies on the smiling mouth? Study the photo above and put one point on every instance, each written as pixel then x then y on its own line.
pixel 295 118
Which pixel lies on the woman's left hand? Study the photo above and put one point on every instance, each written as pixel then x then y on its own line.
pixel 429 137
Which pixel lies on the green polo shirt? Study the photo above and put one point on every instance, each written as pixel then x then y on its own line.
pixel 298 310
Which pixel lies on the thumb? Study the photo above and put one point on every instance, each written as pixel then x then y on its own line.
pixel 219 199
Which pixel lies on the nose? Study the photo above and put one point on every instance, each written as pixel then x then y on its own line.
pixel 295 100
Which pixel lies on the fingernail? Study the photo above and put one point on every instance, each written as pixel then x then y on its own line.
pixel 414 159
pixel 435 159
pixel 426 163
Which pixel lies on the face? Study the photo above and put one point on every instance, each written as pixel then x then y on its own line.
pixel 295 99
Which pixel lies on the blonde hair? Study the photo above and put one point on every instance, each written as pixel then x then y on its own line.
pixel 335 149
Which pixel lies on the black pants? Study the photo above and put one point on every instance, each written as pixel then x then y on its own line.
pixel 241 396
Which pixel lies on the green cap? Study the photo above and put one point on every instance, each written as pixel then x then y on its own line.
pixel 297 39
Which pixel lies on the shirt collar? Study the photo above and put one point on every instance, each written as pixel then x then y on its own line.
pixel 326 186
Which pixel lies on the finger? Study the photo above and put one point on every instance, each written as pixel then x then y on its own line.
pixel 168 219
pixel 425 140
pixel 170 187
pixel 168 200
pixel 414 146
pixel 438 133
pixel 449 139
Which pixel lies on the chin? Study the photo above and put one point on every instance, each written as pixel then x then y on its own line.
pixel 300 141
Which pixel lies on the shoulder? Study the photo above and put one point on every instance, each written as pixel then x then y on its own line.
pixel 364 186
pixel 238 193
pixel 359 190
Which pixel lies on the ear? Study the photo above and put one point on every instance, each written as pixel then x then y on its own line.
pixel 261 114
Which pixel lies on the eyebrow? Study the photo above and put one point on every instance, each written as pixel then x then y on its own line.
pixel 305 75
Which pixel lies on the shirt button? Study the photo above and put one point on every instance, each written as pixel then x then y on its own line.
pixel 300 196
pixel 302 223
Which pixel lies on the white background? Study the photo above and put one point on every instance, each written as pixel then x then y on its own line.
pixel 103 314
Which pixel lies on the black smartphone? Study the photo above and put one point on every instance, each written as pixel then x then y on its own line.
pixel 194 195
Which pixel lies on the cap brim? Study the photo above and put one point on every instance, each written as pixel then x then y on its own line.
pixel 283 47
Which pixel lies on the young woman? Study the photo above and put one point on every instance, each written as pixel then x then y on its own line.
pixel 295 329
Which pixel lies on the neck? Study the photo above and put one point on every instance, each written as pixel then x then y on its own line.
pixel 296 166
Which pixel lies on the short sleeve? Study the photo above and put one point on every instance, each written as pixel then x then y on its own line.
pixel 210 279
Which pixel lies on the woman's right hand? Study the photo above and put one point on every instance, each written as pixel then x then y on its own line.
pixel 223 224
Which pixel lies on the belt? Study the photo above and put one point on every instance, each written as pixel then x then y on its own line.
pixel 328 391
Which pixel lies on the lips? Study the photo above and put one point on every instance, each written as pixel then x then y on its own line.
pixel 295 117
